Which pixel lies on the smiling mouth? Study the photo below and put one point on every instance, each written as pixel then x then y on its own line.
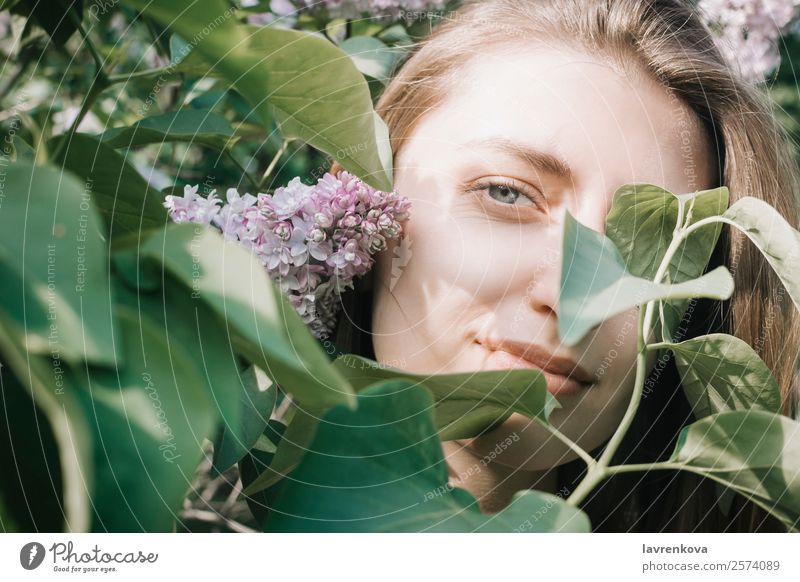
pixel 558 382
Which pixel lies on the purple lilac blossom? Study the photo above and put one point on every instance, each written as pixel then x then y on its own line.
pixel 747 32
pixel 284 12
pixel 314 241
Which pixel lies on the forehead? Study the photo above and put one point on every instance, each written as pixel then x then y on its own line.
pixel 607 123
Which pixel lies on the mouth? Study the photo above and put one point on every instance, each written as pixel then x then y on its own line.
pixel 564 376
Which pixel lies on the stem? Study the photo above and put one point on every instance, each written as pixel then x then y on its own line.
pixel 268 171
pixel 216 518
pixel 661 465
pixel 601 471
pixel 23 66
pixel 659 346
pixel 593 478
pixel 641 370
pixel 708 220
pixel 590 462
pixel 147 73
pixel 98 61
pixel 99 85
pixel 160 39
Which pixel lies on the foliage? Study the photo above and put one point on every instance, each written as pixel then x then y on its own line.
pixel 130 346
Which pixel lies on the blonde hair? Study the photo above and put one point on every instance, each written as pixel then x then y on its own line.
pixel 667 40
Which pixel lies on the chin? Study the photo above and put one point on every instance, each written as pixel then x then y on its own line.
pixel 521 443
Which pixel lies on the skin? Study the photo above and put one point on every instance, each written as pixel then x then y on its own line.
pixel 487 260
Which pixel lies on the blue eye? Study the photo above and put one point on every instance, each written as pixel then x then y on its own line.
pixel 506 194
pixel 511 193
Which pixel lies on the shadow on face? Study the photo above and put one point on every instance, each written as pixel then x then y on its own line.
pixel 525 136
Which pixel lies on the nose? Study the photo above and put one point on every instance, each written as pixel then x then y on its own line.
pixel 545 281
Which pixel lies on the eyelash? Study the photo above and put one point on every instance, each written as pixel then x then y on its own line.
pixel 533 194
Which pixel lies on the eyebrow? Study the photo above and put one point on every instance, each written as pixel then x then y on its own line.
pixel 541 160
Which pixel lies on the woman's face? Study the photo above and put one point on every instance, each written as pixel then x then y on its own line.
pixel 525 136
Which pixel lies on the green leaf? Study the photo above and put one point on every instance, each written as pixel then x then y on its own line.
pixel 596 286
pixel 255 462
pixel 48 386
pixel 178 49
pixel 289 451
pixel 212 29
pixel 199 330
pixel 127 202
pixel 53 17
pixel 150 418
pixel 30 471
pixel 722 373
pixel 263 325
pixel 53 262
pixel 256 402
pixel 381 468
pixel 775 238
pixel 7 523
pixel 642 221
pixel 21 151
pixel 467 404
pixel 195 126
pixel 372 57
pixel 321 98
pixel 755 453
pixel 396 35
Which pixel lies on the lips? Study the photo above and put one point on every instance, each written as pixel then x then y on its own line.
pixel 563 375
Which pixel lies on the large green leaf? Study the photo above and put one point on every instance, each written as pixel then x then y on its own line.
pixel 596 286
pixel 149 418
pixel 256 402
pixel 53 393
pixel 125 199
pixel 466 404
pixel 642 221
pixel 199 330
pixel 777 240
pixel 52 16
pixel 381 468
pixel 7 523
pixel 30 471
pixel 213 31
pixel 754 453
pixel 371 56
pixel 293 444
pixel 321 98
pixel 54 267
pixel 196 126
pixel 263 325
pixel 720 373
pixel 253 464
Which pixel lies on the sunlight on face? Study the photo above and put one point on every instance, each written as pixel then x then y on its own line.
pixel 525 136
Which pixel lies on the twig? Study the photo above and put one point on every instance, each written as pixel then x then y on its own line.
pixel 272 164
pixel 212 517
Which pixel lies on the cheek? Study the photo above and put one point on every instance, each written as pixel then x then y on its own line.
pixel 488 260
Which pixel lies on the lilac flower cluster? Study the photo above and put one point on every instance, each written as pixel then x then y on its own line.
pixel 285 11
pixel 381 8
pixel 312 240
pixel 748 31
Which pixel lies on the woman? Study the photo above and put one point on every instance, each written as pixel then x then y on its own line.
pixel 509 114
